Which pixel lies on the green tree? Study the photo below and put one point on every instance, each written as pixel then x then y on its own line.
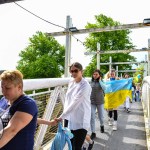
pixel 112 40
pixel 42 58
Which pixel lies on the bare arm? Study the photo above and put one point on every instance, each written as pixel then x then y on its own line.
pixel 17 122
pixel 43 121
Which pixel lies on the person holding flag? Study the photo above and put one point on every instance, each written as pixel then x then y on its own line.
pixel 113 111
pixel 115 95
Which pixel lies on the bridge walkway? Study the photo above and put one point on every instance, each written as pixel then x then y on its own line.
pixel 131 134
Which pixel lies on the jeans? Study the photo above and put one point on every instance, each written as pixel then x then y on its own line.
pixel 138 96
pixel 133 95
pixel 100 109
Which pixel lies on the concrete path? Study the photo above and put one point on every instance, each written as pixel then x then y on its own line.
pixel 130 135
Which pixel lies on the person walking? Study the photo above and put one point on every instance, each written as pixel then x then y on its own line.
pixel 138 92
pixel 127 102
pixel 97 101
pixel 77 107
pixel 112 113
pixel 20 119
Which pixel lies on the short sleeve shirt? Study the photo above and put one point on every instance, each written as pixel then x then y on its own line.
pixel 24 139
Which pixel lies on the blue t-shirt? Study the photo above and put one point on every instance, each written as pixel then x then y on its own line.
pixel 24 139
pixel 111 79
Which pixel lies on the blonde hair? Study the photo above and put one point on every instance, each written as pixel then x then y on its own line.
pixel 15 76
pixel 107 76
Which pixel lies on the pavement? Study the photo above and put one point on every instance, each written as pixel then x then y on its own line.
pixel 130 135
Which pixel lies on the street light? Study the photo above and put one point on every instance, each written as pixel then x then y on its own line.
pixel 146 21
pixel 73 29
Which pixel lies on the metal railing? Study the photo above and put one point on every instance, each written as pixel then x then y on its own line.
pixel 145 97
pixel 49 94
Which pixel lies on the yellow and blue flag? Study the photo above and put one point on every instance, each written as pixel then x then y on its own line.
pixel 116 92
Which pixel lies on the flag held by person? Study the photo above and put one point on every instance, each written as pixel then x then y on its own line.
pixel 116 92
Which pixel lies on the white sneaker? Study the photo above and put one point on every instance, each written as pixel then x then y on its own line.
pixel 110 121
pixel 115 126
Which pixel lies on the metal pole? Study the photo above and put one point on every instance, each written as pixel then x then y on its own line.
pixel 145 67
pixel 68 46
pixel 121 76
pixel 116 71
pixel 119 63
pixel 110 66
pixel 98 56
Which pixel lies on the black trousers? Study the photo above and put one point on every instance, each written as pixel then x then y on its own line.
pixel 110 114
pixel 79 137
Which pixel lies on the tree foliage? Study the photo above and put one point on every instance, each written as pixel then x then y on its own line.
pixel 42 58
pixel 139 72
pixel 112 40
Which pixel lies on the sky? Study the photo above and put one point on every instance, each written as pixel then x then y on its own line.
pixel 17 25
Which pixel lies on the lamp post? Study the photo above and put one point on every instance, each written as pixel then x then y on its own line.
pixel 98 56
pixel 68 46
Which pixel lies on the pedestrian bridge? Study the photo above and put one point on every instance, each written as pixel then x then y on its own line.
pixel 133 128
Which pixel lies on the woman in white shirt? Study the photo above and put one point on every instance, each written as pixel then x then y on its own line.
pixel 77 107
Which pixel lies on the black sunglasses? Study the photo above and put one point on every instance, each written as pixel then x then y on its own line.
pixel 74 71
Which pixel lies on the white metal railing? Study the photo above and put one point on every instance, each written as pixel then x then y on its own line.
pixel 35 84
pixel 50 105
pixel 146 106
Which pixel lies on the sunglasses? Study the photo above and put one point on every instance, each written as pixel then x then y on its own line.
pixel 74 71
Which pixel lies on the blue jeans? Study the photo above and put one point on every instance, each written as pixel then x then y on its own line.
pixel 133 95
pixel 138 96
pixel 100 109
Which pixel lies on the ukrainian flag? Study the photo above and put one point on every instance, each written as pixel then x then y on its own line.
pixel 116 92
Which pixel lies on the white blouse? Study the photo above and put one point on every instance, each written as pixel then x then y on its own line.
pixel 77 107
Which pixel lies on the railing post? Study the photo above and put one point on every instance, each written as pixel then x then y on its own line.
pixel 47 116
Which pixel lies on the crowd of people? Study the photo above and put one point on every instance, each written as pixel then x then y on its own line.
pixel 83 101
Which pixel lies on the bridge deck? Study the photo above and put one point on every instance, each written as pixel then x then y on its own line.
pixel 130 135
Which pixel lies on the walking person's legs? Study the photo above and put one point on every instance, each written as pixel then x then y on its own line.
pixel 133 95
pixel 78 139
pixel 115 119
pixel 110 119
pixel 128 104
pixel 93 110
pixel 100 109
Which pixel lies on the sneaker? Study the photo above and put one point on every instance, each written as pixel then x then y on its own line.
pixel 91 146
pixel 93 135
pixel 110 122
pixel 102 129
pixel 128 110
pixel 115 126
